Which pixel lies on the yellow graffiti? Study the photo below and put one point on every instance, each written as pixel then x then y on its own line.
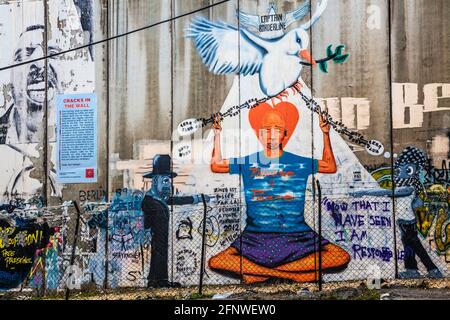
pixel 7 253
pixel 39 264
pixel 424 220
pixel 10 259
pixel 442 244
pixel 17 260
pixel 27 240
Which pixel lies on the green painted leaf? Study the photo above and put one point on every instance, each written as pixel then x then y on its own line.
pixel 339 50
pixel 324 66
pixel 341 59
pixel 329 50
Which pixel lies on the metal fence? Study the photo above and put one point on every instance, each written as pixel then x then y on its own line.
pixel 130 244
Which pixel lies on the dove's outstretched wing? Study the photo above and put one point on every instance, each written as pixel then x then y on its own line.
pixel 248 20
pixel 224 49
pixel 297 14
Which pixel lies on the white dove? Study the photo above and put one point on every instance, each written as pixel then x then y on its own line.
pixel 226 49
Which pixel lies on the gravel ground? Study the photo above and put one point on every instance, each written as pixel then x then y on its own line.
pixel 416 290
pixel 355 290
pixel 276 291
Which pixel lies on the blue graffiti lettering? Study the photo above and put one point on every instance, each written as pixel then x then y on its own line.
pixel 362 252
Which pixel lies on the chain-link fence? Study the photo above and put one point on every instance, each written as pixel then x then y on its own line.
pixel 137 242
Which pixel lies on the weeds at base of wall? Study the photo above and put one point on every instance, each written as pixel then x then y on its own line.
pixel 355 290
pixel 197 296
pixel 416 284
pixel 281 291
pixel 352 294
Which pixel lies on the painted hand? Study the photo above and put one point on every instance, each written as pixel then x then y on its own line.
pixel 324 124
pixel 216 125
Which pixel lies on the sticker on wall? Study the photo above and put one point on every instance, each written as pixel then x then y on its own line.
pixel 375 148
pixel 77 138
pixel 189 126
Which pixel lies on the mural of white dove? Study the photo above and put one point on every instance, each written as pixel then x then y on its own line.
pixel 226 49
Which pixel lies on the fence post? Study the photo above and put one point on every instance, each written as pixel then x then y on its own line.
pixel 319 194
pixel 202 262
pixel 106 279
pixel 394 219
pixel 74 243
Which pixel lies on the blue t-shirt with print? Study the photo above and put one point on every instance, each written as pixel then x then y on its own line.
pixel 275 191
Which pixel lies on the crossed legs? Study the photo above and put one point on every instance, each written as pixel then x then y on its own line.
pixel 302 270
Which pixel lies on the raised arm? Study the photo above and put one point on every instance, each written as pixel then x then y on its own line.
pixel 218 165
pixel 184 200
pixel 328 162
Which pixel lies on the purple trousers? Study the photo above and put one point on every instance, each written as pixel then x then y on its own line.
pixel 275 249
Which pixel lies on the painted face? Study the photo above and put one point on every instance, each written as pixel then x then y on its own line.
pixel 272 137
pixel 405 174
pixel 163 185
pixel 302 39
pixel 122 223
pixel 29 80
pixel 273 131
pixel 184 231
pixel 298 41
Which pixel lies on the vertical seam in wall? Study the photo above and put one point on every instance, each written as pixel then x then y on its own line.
pixel 392 134
pixel 45 142
pixel 45 138
pixel 107 138
pixel 241 206
pixel 313 180
pixel 107 99
pixel 172 70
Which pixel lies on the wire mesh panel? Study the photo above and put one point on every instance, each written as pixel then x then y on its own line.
pixel 423 235
pixel 128 241
pixel 363 228
pixel 191 233
pixel 36 247
pixel 347 239
pixel 52 250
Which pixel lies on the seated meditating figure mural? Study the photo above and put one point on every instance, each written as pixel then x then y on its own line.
pixel 276 242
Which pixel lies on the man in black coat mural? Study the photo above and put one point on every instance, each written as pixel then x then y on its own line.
pixel 156 208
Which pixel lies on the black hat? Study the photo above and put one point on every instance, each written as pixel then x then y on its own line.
pixel 161 166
